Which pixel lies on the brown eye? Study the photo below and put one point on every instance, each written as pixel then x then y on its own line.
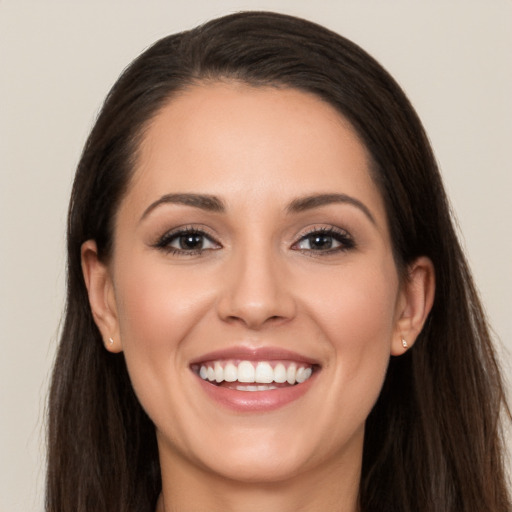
pixel 319 242
pixel 325 241
pixel 187 241
pixel 190 241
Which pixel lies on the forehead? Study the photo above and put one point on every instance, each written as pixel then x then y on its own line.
pixel 269 143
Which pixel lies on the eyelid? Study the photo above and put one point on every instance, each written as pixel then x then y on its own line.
pixel 163 241
pixel 342 236
pixel 344 240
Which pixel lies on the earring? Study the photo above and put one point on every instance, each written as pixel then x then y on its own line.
pixel 404 344
pixel 110 341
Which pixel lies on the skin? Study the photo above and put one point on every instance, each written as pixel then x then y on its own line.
pixel 257 282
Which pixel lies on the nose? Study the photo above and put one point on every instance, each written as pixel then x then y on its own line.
pixel 257 290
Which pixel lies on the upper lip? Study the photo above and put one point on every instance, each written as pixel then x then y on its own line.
pixel 246 353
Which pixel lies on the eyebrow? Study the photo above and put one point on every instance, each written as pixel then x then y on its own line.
pixel 302 204
pixel 214 204
pixel 204 202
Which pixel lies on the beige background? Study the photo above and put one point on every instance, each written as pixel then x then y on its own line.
pixel 57 61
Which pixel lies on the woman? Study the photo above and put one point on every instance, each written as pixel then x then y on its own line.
pixel 257 224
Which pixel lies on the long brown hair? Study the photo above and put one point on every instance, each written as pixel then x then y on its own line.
pixel 433 440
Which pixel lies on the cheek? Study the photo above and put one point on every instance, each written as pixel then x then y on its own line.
pixel 357 305
pixel 358 321
pixel 156 310
pixel 156 305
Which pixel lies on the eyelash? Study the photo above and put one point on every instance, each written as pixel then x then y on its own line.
pixel 346 242
pixel 340 236
pixel 164 243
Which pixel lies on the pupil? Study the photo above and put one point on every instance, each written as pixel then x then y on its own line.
pixel 320 241
pixel 191 241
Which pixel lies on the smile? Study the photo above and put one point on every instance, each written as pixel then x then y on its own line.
pixel 267 375
pixel 251 380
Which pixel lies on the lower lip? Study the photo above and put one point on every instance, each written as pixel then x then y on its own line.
pixel 256 401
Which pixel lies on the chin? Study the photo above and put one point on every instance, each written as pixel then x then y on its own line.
pixel 259 469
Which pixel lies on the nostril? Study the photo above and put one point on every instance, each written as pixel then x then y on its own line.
pixel 276 319
pixel 257 322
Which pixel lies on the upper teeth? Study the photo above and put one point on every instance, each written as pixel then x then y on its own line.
pixel 261 372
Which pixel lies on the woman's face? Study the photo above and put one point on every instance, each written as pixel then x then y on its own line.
pixel 252 248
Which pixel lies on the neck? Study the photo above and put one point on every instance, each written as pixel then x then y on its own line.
pixel 331 488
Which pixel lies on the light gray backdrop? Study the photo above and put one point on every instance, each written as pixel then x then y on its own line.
pixel 57 61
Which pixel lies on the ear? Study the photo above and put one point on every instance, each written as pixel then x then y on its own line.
pixel 100 289
pixel 414 304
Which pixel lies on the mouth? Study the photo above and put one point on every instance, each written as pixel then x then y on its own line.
pixel 248 380
pixel 254 375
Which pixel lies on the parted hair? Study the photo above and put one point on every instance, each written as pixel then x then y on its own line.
pixel 433 441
